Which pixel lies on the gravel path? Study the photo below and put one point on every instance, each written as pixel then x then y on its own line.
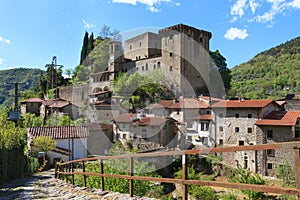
pixel 43 186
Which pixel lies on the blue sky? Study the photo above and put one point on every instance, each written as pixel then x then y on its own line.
pixel 33 31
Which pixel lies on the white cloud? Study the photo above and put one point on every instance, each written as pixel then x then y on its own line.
pixel 5 40
pixel 294 4
pixel 253 5
pixel 235 33
pixel 1 61
pixel 152 5
pixel 261 11
pixel 238 8
pixel 87 25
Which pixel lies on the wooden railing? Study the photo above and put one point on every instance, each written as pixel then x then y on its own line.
pixel 68 170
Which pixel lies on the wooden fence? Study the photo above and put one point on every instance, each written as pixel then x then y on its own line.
pixel 68 170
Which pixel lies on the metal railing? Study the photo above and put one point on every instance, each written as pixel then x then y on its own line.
pixel 67 169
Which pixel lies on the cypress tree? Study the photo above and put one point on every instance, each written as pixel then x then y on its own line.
pixel 84 49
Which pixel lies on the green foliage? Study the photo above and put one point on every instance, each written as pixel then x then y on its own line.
pixel 198 192
pixel 219 61
pixel 286 173
pixel 229 196
pixel 44 143
pixel 121 166
pixel 269 75
pixel 30 119
pixel 13 162
pixel 139 88
pixel 29 77
pixel 241 175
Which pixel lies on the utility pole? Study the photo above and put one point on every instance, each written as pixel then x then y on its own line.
pixel 15 115
pixel 53 74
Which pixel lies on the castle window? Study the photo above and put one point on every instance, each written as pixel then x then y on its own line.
pixel 170 68
pixel 221 115
pixel 171 54
pixel 146 66
pixel 221 128
pixel 201 39
pixel 237 115
pixel 241 143
pixel 297 133
pixel 112 48
pixel 249 115
pixel 158 65
pixel 130 47
pixel 143 68
pixel 140 44
pixel 154 66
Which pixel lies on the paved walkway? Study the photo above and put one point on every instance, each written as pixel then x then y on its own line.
pixel 43 186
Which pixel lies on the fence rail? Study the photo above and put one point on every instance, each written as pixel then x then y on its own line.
pixel 295 146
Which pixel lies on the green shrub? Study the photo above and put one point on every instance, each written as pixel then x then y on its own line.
pixel 242 175
pixel 203 193
pixel 229 196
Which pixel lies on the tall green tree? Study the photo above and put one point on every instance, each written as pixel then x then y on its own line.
pixel 219 61
pixel 84 49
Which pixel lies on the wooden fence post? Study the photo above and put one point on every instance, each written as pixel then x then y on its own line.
pixel 67 175
pixel 101 172
pixel 297 168
pixel 84 176
pixel 72 167
pixel 184 177
pixel 131 180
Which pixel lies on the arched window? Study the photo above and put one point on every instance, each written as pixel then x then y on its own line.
pixel 158 65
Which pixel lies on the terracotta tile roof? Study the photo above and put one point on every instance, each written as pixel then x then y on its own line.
pixel 205 117
pixel 161 104
pixel 151 121
pixel 144 121
pixel 59 104
pixel 280 118
pixel 125 118
pixel 32 100
pixel 242 103
pixel 189 104
pixel 208 98
pixel 58 132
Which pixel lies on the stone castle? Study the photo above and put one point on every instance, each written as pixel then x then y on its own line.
pixel 181 53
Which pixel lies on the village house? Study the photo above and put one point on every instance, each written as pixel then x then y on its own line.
pixel 142 130
pixel 278 126
pixel 46 107
pixel 73 142
pixel 234 124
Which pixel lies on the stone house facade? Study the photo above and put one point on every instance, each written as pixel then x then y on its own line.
pixel 156 131
pixel 233 124
pixel 278 126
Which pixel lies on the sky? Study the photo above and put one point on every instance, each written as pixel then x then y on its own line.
pixel 33 31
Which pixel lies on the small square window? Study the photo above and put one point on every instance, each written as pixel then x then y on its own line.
pixel 241 143
pixel 220 141
pixel 237 129
pixel 269 165
pixel 208 112
pixel 171 68
pixel 220 128
pixel 271 152
pixel 171 54
pixel 269 134
pixel 249 115
pixel 237 115
pixel 249 130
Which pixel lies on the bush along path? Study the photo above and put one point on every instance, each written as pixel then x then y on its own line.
pixel 43 185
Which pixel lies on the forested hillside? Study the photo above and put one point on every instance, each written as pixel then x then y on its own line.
pixel 270 74
pixel 28 78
